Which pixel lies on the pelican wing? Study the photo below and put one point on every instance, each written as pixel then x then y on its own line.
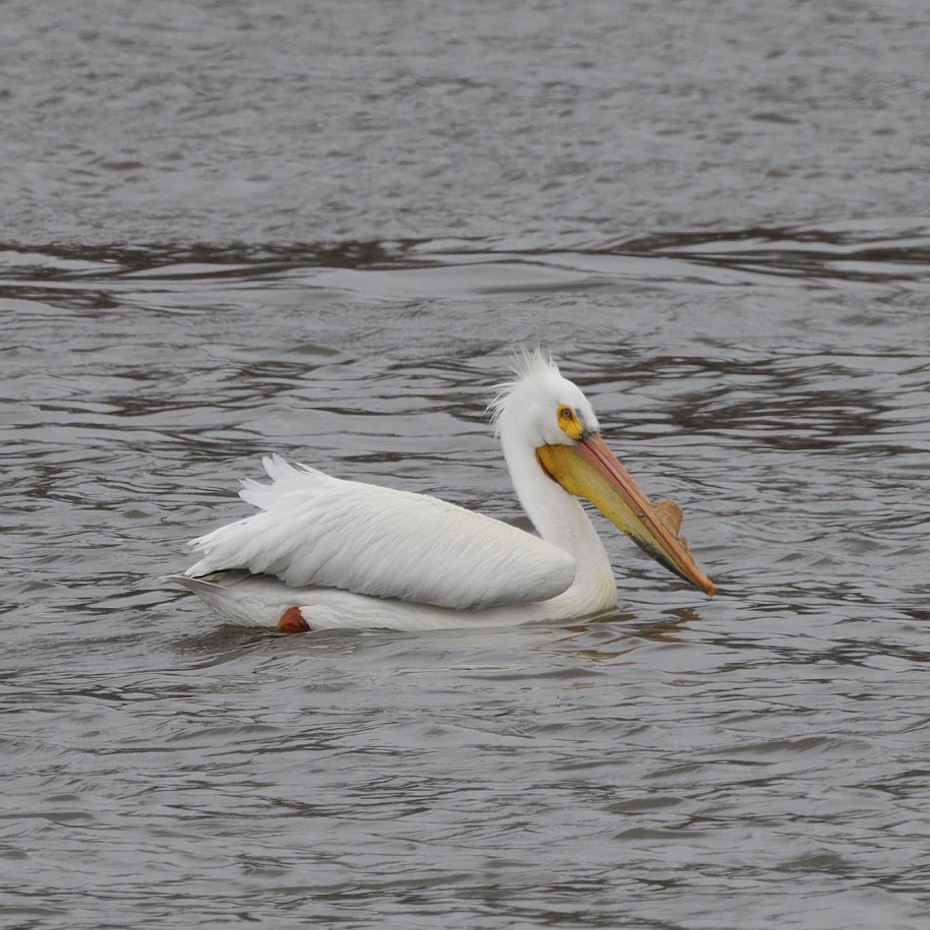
pixel 315 530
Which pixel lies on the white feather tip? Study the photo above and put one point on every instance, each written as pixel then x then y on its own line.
pixel 527 365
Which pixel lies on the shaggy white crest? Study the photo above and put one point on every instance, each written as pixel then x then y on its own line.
pixel 528 366
pixel 537 389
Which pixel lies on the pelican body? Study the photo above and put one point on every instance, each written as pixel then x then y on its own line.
pixel 322 552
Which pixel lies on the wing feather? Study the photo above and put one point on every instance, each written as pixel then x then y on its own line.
pixel 315 530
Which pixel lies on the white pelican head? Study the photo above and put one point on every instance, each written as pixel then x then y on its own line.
pixel 540 410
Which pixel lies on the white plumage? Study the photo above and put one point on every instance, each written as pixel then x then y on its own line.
pixel 349 554
pixel 313 530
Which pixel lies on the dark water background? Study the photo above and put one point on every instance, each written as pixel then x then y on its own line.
pixel 233 228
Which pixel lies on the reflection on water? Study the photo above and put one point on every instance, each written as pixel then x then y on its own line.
pixel 420 267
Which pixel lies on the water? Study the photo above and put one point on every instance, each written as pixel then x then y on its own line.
pixel 231 230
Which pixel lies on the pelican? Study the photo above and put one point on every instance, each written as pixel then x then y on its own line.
pixel 323 552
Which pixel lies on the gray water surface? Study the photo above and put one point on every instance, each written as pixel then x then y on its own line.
pixel 231 230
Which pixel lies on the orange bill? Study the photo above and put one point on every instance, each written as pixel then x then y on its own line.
pixel 590 470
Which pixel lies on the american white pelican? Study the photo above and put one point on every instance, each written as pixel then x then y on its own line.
pixel 323 552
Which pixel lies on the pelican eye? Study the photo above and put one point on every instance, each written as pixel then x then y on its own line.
pixel 569 423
